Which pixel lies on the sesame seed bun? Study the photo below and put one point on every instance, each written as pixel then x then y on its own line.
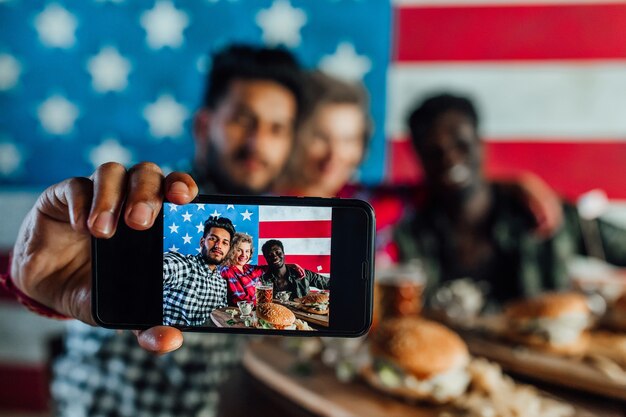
pixel 278 316
pixel 315 297
pixel 548 305
pixel 307 303
pixel 420 347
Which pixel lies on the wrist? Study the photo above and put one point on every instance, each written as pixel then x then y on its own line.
pixel 6 283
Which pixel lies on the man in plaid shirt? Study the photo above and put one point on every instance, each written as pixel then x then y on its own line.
pixel 192 284
pixel 244 134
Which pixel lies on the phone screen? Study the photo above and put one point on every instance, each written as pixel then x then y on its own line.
pixel 241 264
pixel 247 266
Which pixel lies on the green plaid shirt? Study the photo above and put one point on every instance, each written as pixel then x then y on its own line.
pixel 523 264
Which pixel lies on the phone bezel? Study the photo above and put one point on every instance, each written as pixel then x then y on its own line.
pixel 352 237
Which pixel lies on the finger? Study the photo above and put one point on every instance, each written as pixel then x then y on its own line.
pixel 145 195
pixel 69 202
pixel 160 339
pixel 109 189
pixel 180 188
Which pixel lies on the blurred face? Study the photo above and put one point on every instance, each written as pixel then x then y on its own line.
pixel 242 253
pixel 451 153
pixel 275 257
pixel 334 145
pixel 215 245
pixel 251 131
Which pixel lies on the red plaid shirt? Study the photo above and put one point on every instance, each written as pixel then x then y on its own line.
pixel 241 284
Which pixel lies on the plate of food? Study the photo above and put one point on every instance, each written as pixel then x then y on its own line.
pixel 554 338
pixel 314 302
pixel 425 362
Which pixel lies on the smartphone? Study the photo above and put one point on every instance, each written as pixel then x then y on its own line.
pixel 239 264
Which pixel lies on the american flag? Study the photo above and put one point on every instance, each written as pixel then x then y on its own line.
pixel 84 82
pixel 304 231
pixel 548 77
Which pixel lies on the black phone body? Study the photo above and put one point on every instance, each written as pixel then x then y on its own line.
pixel 331 241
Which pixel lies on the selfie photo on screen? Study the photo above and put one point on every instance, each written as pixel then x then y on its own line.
pixel 246 266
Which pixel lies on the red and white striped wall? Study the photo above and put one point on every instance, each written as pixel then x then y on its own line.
pixel 548 77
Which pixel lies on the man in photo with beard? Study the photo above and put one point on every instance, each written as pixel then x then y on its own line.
pixel 192 284
pixel 286 277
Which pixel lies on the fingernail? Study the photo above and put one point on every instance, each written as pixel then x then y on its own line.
pixel 141 214
pixel 104 222
pixel 179 187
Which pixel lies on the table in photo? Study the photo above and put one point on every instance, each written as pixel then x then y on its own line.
pixel 311 318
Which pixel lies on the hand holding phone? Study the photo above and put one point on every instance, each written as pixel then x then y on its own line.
pixel 51 258
pixel 304 264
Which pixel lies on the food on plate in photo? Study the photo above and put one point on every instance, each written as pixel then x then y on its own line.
pixel 418 359
pixel 283 296
pixel 316 303
pixel 616 314
pixel 554 322
pixel 275 316
pixel 303 325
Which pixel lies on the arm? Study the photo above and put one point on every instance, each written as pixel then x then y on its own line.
pixel 52 258
pixel 541 201
pixel 317 280
pixel 171 267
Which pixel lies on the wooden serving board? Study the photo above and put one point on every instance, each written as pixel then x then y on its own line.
pixel 323 395
pixel 319 319
pixel 220 318
pixel 569 372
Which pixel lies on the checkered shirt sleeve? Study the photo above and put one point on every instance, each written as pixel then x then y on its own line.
pixel 191 290
pixel 106 374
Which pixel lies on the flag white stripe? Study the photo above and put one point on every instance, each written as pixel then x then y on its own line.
pixel 562 100
pixel 307 246
pixel 289 213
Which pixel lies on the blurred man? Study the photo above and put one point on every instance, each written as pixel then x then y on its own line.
pixel 243 133
pixel 286 277
pixel 469 227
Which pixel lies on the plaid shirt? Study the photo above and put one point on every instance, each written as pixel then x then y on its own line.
pixel 241 284
pixel 191 290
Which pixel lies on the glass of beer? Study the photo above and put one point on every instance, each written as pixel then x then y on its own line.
pixel 263 293
pixel 398 291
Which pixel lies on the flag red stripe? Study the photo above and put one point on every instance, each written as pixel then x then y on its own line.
pixel 295 229
pixel 583 31
pixel 309 262
pixel 572 168
pixel 27 390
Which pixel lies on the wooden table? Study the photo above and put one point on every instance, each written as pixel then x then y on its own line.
pixel 221 318
pixel 321 394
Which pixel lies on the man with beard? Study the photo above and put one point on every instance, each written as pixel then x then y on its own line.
pixel 243 134
pixel 286 277
pixel 193 284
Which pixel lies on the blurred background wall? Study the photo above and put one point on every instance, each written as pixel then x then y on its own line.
pixel 85 82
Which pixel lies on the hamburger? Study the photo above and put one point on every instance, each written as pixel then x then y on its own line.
pixel 616 315
pixel 554 322
pixel 316 303
pixel 274 316
pixel 418 359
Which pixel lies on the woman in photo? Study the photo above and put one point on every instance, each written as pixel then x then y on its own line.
pixel 242 276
